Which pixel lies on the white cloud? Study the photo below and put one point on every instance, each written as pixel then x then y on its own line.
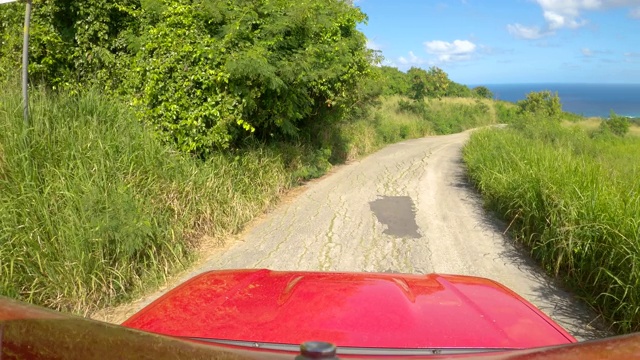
pixel 412 60
pixel 558 21
pixel 632 57
pixel 451 51
pixel 587 52
pixel 527 32
pixel 388 63
pixel 373 45
pixel 559 14
pixel 566 13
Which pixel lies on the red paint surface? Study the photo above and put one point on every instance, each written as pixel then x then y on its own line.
pixel 350 309
pixel 30 332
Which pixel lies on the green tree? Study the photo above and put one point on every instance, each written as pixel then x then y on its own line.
pixel 393 81
pixel 432 83
pixel 418 88
pixel 458 90
pixel 482 92
pixel 543 103
pixel 206 74
pixel 618 125
pixel 437 82
pixel 70 41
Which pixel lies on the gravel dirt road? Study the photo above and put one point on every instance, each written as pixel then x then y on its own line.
pixel 407 208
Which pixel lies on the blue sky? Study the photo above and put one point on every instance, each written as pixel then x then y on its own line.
pixel 510 41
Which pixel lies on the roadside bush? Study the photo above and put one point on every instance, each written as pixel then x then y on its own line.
pixel 458 90
pixel 71 43
pixel 617 125
pixel 448 116
pixel 482 92
pixel 209 74
pixel 418 108
pixel 393 81
pixel 506 112
pixel 206 75
pixel 542 103
pixel 432 83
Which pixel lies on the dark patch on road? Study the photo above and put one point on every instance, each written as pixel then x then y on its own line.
pixel 398 213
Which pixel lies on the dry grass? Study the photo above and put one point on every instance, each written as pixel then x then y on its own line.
pixel 593 123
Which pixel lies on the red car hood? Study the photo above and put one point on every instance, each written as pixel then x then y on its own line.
pixel 350 310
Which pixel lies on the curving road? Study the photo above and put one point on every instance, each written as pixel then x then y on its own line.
pixel 407 208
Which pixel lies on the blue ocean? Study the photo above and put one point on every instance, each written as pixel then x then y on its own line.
pixel 582 99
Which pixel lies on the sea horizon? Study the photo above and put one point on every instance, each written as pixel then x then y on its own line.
pixel 586 99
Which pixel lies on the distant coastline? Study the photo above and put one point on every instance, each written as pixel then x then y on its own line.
pixel 583 99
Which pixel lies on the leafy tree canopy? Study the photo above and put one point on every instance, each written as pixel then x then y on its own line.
pixel 542 103
pixel 393 81
pixel 432 83
pixel 617 125
pixel 205 73
pixel 482 92
pixel 458 90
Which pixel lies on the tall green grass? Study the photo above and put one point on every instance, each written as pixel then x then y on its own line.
pixel 574 201
pixel 451 115
pixel 390 122
pixel 454 115
pixel 92 207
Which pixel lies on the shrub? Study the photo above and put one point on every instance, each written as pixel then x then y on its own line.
pixel 542 103
pixel 482 92
pixel 432 83
pixel 206 74
pixel 618 125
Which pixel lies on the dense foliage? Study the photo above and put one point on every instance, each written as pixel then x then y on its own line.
pixel 432 83
pixel 205 73
pixel 93 207
pixel 482 92
pixel 418 83
pixel 617 125
pixel 70 41
pixel 393 81
pixel 542 103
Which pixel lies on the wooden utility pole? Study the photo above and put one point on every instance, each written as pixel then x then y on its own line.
pixel 25 64
pixel 25 60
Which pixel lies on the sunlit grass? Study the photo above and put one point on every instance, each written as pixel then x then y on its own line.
pixel 92 207
pixel 389 123
pixel 575 201
pixel 593 124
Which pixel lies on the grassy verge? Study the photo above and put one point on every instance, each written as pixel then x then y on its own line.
pixel 93 208
pixel 592 124
pixel 574 201
pixel 390 122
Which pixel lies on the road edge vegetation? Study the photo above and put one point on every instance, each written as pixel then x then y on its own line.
pixel 160 126
pixel 572 197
